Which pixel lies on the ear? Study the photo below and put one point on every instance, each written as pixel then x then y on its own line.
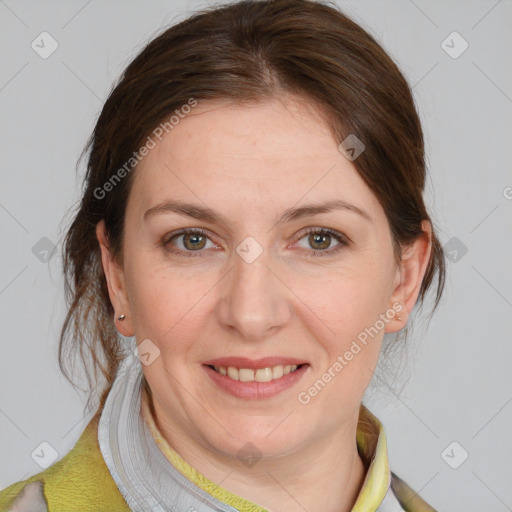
pixel 116 284
pixel 415 258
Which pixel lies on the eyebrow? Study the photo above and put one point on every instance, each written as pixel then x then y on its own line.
pixel 209 215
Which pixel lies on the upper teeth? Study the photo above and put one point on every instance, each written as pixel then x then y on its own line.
pixel 259 375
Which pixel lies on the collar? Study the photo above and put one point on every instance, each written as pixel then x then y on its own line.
pixel 151 475
pixel 371 444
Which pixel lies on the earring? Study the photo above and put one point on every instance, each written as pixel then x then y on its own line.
pixel 121 317
pixel 399 318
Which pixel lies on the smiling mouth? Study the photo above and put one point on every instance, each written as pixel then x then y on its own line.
pixel 267 374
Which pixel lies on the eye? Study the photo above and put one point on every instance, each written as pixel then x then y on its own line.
pixel 193 241
pixel 320 239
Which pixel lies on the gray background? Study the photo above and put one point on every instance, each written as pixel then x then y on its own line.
pixel 457 378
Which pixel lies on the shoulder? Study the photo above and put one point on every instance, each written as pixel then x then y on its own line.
pixel 79 481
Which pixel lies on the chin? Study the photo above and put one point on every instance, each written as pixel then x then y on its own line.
pixel 252 439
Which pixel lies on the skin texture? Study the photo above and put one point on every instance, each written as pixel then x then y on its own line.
pixel 250 162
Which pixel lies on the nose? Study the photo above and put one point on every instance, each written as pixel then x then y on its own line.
pixel 255 302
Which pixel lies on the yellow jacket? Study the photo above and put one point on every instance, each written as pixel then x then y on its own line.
pixel 81 481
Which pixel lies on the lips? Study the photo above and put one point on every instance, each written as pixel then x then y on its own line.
pixel 248 384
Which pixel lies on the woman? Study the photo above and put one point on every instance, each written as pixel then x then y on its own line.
pixel 253 217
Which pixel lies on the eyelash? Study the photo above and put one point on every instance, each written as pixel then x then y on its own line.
pixel 343 242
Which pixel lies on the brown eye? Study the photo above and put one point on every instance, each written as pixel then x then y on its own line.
pixel 187 242
pixel 321 239
pixel 194 241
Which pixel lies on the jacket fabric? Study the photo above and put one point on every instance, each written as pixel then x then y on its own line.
pixel 87 479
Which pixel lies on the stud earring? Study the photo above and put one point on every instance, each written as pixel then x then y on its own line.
pixel 399 318
pixel 121 317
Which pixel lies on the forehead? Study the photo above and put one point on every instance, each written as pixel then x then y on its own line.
pixel 270 154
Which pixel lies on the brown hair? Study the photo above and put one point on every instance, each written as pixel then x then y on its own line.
pixel 246 51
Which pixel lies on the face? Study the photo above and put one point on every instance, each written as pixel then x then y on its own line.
pixel 252 282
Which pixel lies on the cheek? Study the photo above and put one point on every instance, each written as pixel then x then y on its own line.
pixel 167 302
pixel 344 303
pixel 345 325
pixel 343 313
pixel 172 303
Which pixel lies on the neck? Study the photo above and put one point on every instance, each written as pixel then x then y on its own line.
pixel 326 475
pixel 314 479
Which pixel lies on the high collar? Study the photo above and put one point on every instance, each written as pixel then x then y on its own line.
pixel 151 474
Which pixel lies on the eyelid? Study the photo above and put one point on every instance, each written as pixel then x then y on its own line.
pixel 184 231
pixel 342 239
pixel 317 229
pixel 166 240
